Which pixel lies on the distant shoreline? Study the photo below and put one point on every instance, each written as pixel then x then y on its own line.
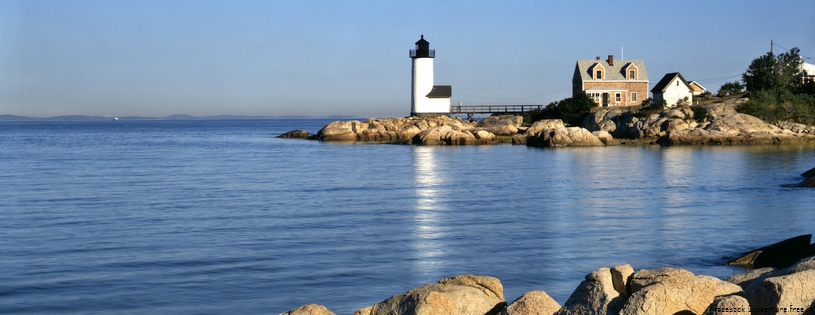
pixel 171 117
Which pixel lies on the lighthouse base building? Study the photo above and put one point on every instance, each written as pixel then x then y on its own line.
pixel 427 99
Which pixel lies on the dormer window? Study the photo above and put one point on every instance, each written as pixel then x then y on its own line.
pixel 599 75
pixel 632 75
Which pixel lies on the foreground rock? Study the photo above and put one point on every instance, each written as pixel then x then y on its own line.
pixel 779 255
pixel 465 295
pixel 618 290
pixel 674 291
pixel 310 309
pixel 789 288
pixel 532 303
pixel 597 294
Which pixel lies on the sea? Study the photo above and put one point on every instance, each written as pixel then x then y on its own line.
pixel 221 217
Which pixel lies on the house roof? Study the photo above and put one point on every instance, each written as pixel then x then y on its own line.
pixel 662 84
pixel 440 91
pixel 615 72
pixel 700 89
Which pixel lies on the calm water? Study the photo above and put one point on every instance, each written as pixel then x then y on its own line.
pixel 215 217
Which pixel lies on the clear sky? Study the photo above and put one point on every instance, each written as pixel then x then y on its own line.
pixel 158 58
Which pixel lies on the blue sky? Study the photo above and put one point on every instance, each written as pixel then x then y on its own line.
pixel 158 58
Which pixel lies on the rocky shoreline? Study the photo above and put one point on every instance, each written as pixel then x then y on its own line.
pixel 621 290
pixel 722 125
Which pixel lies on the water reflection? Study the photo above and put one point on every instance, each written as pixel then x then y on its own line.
pixel 429 187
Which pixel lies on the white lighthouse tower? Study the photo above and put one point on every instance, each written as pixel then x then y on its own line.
pixel 427 99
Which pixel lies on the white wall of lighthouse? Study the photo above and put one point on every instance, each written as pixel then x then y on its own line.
pixel 422 85
pixel 426 98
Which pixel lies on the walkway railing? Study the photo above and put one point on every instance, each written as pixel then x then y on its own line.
pixel 472 110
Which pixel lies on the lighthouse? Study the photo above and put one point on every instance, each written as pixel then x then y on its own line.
pixel 427 99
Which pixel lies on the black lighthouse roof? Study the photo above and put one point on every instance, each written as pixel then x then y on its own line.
pixel 422 49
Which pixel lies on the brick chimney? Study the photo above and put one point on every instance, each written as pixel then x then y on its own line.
pixel 598 58
pixel 610 60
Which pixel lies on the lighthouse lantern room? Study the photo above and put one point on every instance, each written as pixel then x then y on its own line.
pixel 427 99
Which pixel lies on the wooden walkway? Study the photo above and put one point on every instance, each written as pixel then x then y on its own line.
pixel 472 110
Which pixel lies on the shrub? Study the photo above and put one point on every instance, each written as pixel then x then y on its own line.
pixel 649 110
pixel 777 105
pixel 699 113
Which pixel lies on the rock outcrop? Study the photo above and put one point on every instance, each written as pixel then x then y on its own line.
pixel 779 255
pixel 532 303
pixel 677 126
pixel 562 137
pixel 465 295
pixel 595 295
pixel 504 125
pixel 301 134
pixel 310 309
pixel 440 130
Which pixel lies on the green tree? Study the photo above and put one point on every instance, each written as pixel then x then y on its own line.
pixel 729 88
pixel 571 110
pixel 770 72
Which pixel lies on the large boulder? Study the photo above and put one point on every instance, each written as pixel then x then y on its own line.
pixel 605 137
pixel 795 292
pixel 542 124
pixel 502 124
pixel 563 137
pixel 673 291
pixel 728 304
pixel 310 309
pixel 791 287
pixel 614 120
pixel 741 124
pixel 464 295
pixel 595 295
pixel 532 303
pixel 779 255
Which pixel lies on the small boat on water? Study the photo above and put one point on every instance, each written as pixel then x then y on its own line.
pixel 115 118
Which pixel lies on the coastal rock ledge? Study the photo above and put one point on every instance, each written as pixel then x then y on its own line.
pixel 440 130
pixel 613 291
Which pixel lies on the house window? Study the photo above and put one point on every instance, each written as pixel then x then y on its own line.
pixel 632 74
pixel 633 96
pixel 618 97
pixel 599 75
pixel 677 83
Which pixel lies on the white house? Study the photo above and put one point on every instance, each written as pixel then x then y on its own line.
pixel 674 90
pixel 427 99
pixel 810 71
